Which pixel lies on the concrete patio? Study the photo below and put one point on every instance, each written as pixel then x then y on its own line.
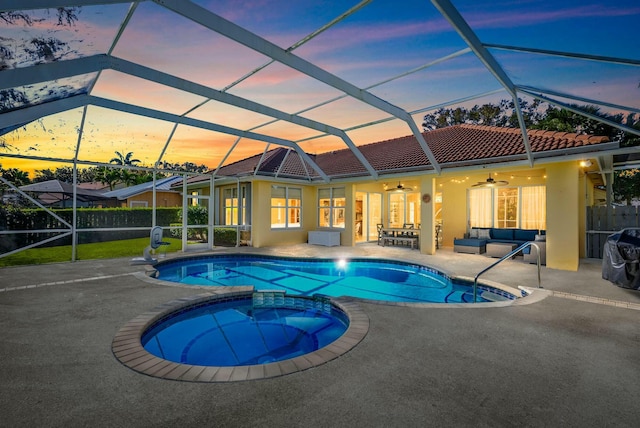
pixel 570 359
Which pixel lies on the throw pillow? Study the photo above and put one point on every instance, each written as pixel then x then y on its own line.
pixel 484 234
pixel 473 233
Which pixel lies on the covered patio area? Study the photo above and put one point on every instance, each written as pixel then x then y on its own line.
pixel 570 358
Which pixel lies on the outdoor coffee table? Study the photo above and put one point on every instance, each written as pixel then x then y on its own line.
pixel 499 249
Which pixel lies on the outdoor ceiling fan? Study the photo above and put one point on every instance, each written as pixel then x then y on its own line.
pixel 490 182
pixel 399 188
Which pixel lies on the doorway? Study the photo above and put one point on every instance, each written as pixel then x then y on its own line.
pixel 368 213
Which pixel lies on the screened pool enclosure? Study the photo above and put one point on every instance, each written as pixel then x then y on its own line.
pixel 126 93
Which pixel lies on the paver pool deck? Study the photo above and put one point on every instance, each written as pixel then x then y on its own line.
pixel 569 359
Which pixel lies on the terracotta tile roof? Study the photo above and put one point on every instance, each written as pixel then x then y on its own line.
pixel 455 145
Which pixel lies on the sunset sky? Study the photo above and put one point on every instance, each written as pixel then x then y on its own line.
pixel 383 39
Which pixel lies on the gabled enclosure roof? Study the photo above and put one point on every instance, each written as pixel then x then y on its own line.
pixel 213 82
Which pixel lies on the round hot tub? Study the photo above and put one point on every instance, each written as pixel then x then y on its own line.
pixel 239 336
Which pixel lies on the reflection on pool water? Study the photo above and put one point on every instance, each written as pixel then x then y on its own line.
pixel 268 327
pixel 374 279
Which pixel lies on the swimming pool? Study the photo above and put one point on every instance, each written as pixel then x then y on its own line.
pixel 263 328
pixel 363 278
pixel 239 334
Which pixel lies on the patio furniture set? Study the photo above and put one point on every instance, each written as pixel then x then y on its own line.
pixel 498 242
pixel 406 235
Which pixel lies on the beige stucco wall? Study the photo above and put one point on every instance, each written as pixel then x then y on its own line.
pixel 563 215
pixel 454 208
pixel 427 215
pixel 262 235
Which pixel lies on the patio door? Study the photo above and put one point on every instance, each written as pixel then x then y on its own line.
pixel 368 213
pixel 404 208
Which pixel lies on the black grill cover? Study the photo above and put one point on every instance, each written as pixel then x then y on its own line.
pixel 621 259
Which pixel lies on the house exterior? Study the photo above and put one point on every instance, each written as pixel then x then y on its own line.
pixel 141 195
pixel 281 197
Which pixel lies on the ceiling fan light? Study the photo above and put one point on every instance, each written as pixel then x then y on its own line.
pixel 490 182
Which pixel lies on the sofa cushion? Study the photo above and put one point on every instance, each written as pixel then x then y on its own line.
pixel 502 234
pixel 473 233
pixel 525 234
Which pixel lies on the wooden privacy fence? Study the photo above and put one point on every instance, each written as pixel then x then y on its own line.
pixel 599 226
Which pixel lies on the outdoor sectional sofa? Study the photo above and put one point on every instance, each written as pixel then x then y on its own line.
pixel 476 240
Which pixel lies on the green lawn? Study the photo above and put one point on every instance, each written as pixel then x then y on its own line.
pixel 98 250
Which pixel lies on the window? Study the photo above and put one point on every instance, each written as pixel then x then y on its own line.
pixel 506 208
pixel 230 202
pixel 331 207
pixel 138 204
pixel 234 208
pixel 194 200
pixel 509 207
pixel 404 208
pixel 286 203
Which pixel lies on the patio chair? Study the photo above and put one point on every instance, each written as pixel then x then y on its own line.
pixel 407 234
pixel 379 226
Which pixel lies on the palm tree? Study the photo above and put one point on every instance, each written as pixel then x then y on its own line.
pixel 15 175
pixel 125 176
pixel 121 159
pixel 108 176
pixel 129 177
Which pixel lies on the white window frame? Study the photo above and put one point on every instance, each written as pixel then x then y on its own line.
pixel 138 204
pixel 230 208
pixel 333 208
pixel 287 207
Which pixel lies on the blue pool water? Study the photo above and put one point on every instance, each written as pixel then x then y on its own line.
pixel 248 331
pixel 373 279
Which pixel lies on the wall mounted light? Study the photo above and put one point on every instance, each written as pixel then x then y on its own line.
pixel 585 163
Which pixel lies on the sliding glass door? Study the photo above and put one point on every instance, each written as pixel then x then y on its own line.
pixel 368 214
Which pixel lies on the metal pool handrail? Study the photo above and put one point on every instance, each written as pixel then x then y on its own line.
pixel 511 254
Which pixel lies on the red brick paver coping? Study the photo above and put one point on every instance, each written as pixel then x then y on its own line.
pixel 127 346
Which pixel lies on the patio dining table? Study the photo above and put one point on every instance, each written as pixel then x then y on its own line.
pixel 397 235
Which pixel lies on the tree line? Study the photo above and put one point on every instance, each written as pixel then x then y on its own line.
pixel 538 115
pixel 106 175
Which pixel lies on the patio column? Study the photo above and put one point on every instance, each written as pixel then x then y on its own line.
pixel 427 215
pixel 563 214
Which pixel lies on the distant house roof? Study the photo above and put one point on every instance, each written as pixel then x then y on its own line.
pixel 163 184
pixel 53 191
pixel 95 185
pixel 452 146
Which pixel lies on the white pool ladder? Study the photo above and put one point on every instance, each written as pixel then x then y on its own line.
pixel 511 254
